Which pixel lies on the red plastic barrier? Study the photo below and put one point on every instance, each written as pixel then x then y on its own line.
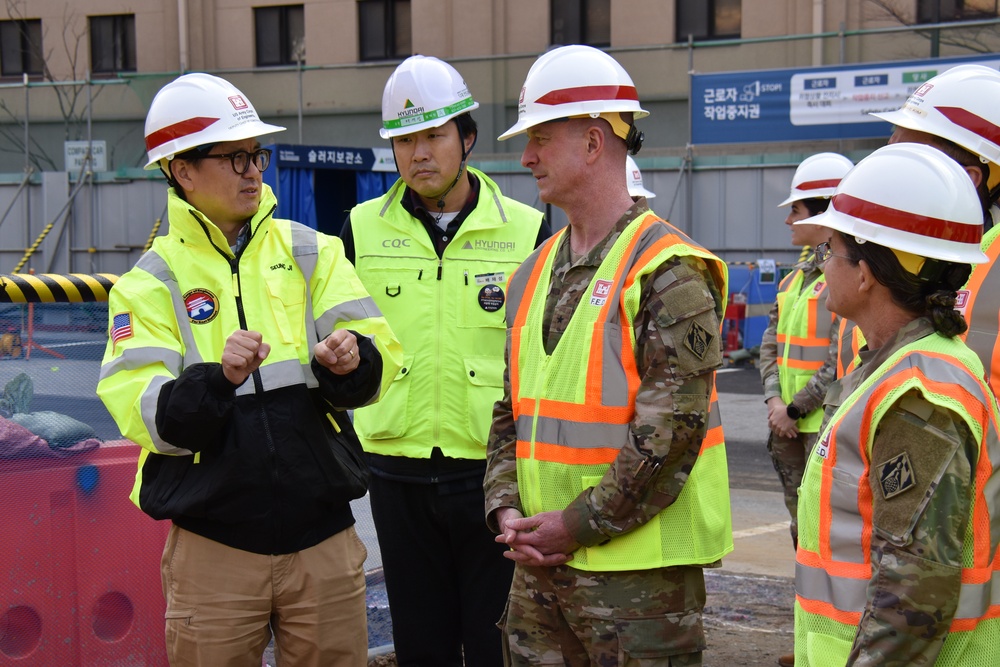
pixel 79 563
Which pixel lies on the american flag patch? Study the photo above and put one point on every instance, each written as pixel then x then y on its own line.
pixel 121 327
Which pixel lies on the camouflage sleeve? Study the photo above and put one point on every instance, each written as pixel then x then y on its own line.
pixel 811 396
pixel 678 349
pixel 500 483
pixel 920 476
pixel 768 362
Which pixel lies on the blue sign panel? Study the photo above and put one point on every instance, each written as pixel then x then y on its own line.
pixel 324 157
pixel 818 103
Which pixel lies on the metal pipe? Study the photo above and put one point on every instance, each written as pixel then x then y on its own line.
pixel 182 35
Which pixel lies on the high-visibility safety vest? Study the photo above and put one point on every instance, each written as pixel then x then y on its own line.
pixel 850 341
pixel 833 563
pixel 979 302
pixel 448 313
pixel 803 337
pixel 572 409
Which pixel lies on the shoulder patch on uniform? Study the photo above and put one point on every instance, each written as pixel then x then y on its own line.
pixel 698 339
pixel 895 476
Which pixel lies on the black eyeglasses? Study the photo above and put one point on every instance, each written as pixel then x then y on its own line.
pixel 241 159
pixel 824 252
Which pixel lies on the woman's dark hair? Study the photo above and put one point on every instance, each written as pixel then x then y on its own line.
pixel 931 294
pixel 816 205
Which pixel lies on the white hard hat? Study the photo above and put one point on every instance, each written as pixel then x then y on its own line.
pixel 817 176
pixel 199 109
pixel 574 80
pixel 961 105
pixel 909 197
pixel 634 179
pixel 422 93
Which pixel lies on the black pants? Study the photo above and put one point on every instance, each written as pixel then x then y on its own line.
pixel 446 578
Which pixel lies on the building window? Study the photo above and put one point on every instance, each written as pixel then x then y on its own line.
pixel 708 19
pixel 112 43
pixel 581 22
pixel 940 11
pixel 384 27
pixel 281 35
pixel 21 47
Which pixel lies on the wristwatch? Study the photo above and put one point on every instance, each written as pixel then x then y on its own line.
pixel 793 411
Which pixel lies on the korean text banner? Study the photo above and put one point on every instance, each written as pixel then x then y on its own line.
pixel 806 104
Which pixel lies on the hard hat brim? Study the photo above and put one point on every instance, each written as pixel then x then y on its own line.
pixel 252 131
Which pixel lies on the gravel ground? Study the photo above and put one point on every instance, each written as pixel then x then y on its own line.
pixel 748 621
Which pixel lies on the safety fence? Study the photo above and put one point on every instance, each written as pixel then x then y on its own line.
pixel 80 563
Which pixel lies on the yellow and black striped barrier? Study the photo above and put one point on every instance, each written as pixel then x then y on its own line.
pixel 55 287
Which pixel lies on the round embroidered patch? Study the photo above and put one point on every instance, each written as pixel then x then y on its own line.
pixel 202 306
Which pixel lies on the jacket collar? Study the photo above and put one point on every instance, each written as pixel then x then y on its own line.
pixel 193 226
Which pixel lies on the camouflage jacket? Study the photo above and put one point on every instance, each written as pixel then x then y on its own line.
pixel 671 406
pixel 811 396
pixel 914 586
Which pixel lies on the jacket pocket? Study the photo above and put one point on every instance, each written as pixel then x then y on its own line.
pixel 389 418
pixel 485 377
pixel 660 636
pixel 287 298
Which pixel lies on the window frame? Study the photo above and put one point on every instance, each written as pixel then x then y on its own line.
pixel 708 9
pixel 124 54
pixel 584 28
pixel 286 41
pixel 925 12
pixel 29 48
pixel 396 39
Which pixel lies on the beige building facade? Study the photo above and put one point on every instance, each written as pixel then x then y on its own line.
pixel 318 66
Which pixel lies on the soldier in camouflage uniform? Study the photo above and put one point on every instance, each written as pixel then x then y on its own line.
pixel 565 607
pixel 898 530
pixel 796 364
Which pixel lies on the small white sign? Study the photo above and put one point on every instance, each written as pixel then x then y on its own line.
pixel 76 153
pixel 768 268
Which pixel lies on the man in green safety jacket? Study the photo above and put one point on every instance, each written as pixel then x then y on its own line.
pixel 607 471
pixel 435 252
pixel 236 346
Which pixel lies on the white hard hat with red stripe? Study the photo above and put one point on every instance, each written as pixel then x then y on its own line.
pixel 817 176
pixel 423 92
pixel 909 197
pixel 198 109
pixel 961 105
pixel 634 179
pixel 570 81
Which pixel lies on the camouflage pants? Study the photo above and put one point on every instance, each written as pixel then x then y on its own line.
pixel 789 458
pixel 646 618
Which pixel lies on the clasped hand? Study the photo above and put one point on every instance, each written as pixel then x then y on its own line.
pixel 538 540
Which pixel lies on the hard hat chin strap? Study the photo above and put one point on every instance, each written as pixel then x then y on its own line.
pixel 461 168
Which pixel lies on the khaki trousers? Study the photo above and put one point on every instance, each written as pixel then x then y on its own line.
pixel 223 604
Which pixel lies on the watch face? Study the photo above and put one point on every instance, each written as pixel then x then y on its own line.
pixel 793 412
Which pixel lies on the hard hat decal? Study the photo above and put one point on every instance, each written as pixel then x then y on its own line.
pixel 178 130
pixel 971 122
pixel 417 115
pixel 816 185
pixel 238 102
pixel 905 221
pixel 588 94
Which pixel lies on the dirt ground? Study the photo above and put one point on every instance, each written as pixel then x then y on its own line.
pixel 748 621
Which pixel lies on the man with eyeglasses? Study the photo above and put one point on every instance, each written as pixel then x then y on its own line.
pixel 236 345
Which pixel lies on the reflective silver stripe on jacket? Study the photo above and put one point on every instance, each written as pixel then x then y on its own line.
pixel 810 353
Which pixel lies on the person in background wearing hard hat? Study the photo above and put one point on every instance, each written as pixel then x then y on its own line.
pixel 435 252
pixel 609 409
pixel 898 508
pixel 634 179
pixel 798 353
pixel 958 112
pixel 236 345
